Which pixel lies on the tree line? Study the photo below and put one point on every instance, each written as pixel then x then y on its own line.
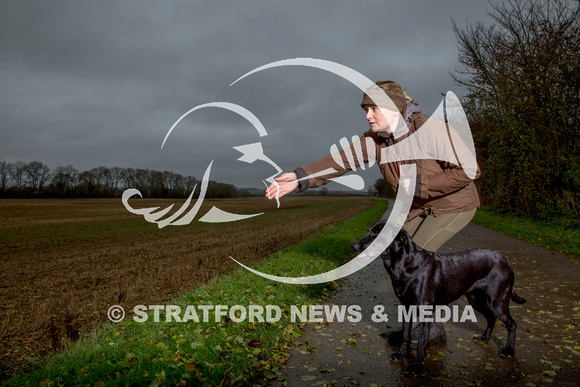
pixel 523 102
pixel 36 179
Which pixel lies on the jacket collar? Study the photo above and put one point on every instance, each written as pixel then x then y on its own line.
pixel 411 112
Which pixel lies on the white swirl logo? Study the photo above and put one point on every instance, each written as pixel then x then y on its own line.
pixel 447 122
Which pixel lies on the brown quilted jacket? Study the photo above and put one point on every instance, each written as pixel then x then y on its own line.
pixel 442 187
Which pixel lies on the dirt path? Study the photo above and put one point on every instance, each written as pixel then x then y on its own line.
pixel 547 345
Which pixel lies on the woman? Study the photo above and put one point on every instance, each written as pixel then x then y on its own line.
pixel 445 197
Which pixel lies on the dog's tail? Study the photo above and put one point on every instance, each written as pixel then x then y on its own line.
pixel 517 298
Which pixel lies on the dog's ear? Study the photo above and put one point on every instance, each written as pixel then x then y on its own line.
pixel 387 262
pixel 404 238
pixel 377 227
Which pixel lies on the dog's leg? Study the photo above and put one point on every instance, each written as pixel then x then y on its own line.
pixel 478 299
pixel 500 307
pixel 406 345
pixel 415 365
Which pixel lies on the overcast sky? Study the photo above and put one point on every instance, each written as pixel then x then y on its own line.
pixel 93 83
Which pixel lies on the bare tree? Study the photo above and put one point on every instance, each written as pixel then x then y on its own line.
pixel 18 173
pixel 38 173
pixel 174 183
pixel 155 184
pixel 6 171
pixel 87 183
pixel 129 177
pixel 190 184
pixel 64 179
pixel 116 174
pixel 141 181
pixel 73 176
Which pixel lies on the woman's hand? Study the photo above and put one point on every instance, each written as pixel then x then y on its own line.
pixel 285 183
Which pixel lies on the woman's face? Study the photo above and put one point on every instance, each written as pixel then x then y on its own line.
pixel 377 119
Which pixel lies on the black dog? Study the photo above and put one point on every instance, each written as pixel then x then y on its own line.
pixel 421 277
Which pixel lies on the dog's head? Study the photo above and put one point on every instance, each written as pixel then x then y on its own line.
pixel 400 245
pixel 372 233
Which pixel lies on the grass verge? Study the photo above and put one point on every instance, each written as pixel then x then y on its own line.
pixel 208 352
pixel 563 237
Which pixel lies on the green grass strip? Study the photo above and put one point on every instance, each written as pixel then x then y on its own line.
pixel 563 236
pixel 209 353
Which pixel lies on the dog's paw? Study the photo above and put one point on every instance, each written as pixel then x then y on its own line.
pixel 507 352
pixel 481 339
pixel 397 356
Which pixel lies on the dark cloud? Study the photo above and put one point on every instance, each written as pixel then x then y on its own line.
pixel 99 83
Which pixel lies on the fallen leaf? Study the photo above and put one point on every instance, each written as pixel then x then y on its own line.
pixel 190 367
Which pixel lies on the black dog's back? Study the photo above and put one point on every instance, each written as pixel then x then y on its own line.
pixel 471 270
